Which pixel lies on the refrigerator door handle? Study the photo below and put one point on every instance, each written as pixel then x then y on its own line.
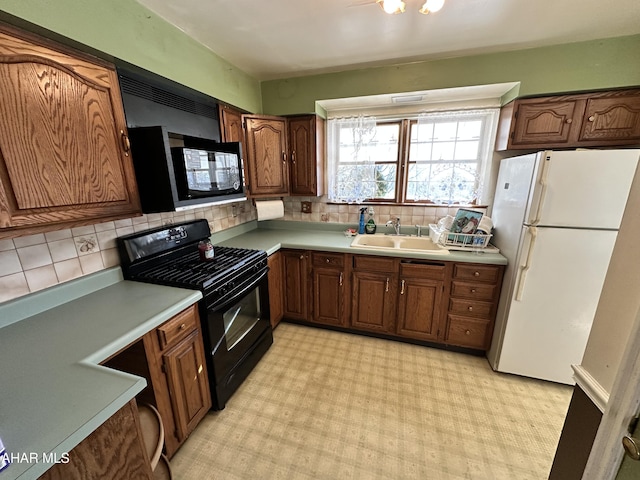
pixel 543 189
pixel 533 231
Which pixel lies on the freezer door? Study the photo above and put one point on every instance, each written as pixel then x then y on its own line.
pixel 553 301
pixel 582 188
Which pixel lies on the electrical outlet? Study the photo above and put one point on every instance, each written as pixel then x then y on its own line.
pixel 371 212
pixel 306 207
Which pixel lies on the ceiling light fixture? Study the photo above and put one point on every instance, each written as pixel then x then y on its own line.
pixel 391 6
pixel 431 6
pixel 397 6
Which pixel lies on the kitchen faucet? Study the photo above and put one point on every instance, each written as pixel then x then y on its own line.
pixel 396 224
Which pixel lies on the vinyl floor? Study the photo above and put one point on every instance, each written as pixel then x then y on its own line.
pixel 330 405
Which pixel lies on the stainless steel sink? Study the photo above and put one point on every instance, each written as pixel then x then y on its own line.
pixel 401 243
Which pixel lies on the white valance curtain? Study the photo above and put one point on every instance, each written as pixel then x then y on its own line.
pixel 350 155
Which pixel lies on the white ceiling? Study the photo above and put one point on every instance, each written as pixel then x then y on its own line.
pixel 271 39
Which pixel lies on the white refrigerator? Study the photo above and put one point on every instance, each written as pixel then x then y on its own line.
pixel 556 217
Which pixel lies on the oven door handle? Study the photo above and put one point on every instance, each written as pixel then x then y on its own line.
pixel 253 282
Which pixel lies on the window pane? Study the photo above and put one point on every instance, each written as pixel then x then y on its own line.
pixel 443 151
pixel 467 150
pixel 445 131
pixel 469 130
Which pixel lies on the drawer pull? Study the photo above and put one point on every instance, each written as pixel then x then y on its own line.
pixel 328 261
pixel 183 326
pixel 402 287
pixel 199 369
pixel 467 332
pixel 473 290
pixel 386 285
pixel 470 308
pixel 341 275
pixel 476 274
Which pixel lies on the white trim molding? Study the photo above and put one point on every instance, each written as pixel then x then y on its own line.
pixel 589 385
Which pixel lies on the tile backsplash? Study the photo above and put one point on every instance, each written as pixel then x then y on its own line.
pixel 34 262
pixel 343 213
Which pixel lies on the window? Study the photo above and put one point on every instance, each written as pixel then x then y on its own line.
pixel 435 158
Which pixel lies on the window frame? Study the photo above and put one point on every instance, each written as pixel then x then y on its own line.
pixel 403 161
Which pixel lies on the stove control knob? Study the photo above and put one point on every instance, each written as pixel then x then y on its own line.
pixel 231 285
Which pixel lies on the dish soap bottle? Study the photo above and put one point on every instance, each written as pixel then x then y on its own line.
pixel 370 227
pixel 361 226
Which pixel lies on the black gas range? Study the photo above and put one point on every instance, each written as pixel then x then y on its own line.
pixel 234 312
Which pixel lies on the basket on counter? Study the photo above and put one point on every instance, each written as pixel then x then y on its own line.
pixel 459 241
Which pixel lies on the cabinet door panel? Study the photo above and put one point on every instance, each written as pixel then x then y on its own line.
pixel 64 154
pixel 328 296
pixel 419 307
pixel 612 118
pixel 373 302
pixel 545 122
pixel 303 156
pixel 295 285
pixel 266 155
pixel 188 383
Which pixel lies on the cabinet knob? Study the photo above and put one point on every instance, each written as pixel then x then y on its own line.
pixel 470 308
pixel 473 290
pixel 467 332
pixel 569 120
pixel 183 326
pixel 301 257
pixel 476 274
pixel 592 118
pixel 328 261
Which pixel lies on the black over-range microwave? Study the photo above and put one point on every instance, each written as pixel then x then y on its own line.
pixel 178 172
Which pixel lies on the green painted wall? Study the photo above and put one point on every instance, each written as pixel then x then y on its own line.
pixel 589 65
pixel 125 29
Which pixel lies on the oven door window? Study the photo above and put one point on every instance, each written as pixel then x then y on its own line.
pixel 240 318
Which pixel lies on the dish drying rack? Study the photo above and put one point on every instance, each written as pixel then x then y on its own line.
pixel 476 242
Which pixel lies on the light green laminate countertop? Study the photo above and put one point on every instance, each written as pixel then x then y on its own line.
pixel 274 235
pixel 53 392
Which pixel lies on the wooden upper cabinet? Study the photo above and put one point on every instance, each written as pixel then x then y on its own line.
pixel 543 122
pixel 602 119
pixel 306 151
pixel 612 118
pixel 266 156
pixel 64 153
pixel 230 124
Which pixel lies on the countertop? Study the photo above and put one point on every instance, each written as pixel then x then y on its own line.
pixel 53 391
pixel 274 235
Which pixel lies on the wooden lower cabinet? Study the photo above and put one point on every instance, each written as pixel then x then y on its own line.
pixel 296 284
pixel 330 287
pixel 472 305
pixel 172 359
pixel 420 299
pixel 374 293
pixel 115 450
pixel 276 288
pixel 451 303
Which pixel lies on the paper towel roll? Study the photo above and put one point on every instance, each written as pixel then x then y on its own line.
pixel 269 209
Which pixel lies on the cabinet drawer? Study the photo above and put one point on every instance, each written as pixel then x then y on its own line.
pixel 476 291
pixel 177 328
pixel 435 271
pixel 467 332
pixel 462 306
pixel 477 273
pixel 328 260
pixel 375 264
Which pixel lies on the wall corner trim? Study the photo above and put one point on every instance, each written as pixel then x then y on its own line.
pixel 598 395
